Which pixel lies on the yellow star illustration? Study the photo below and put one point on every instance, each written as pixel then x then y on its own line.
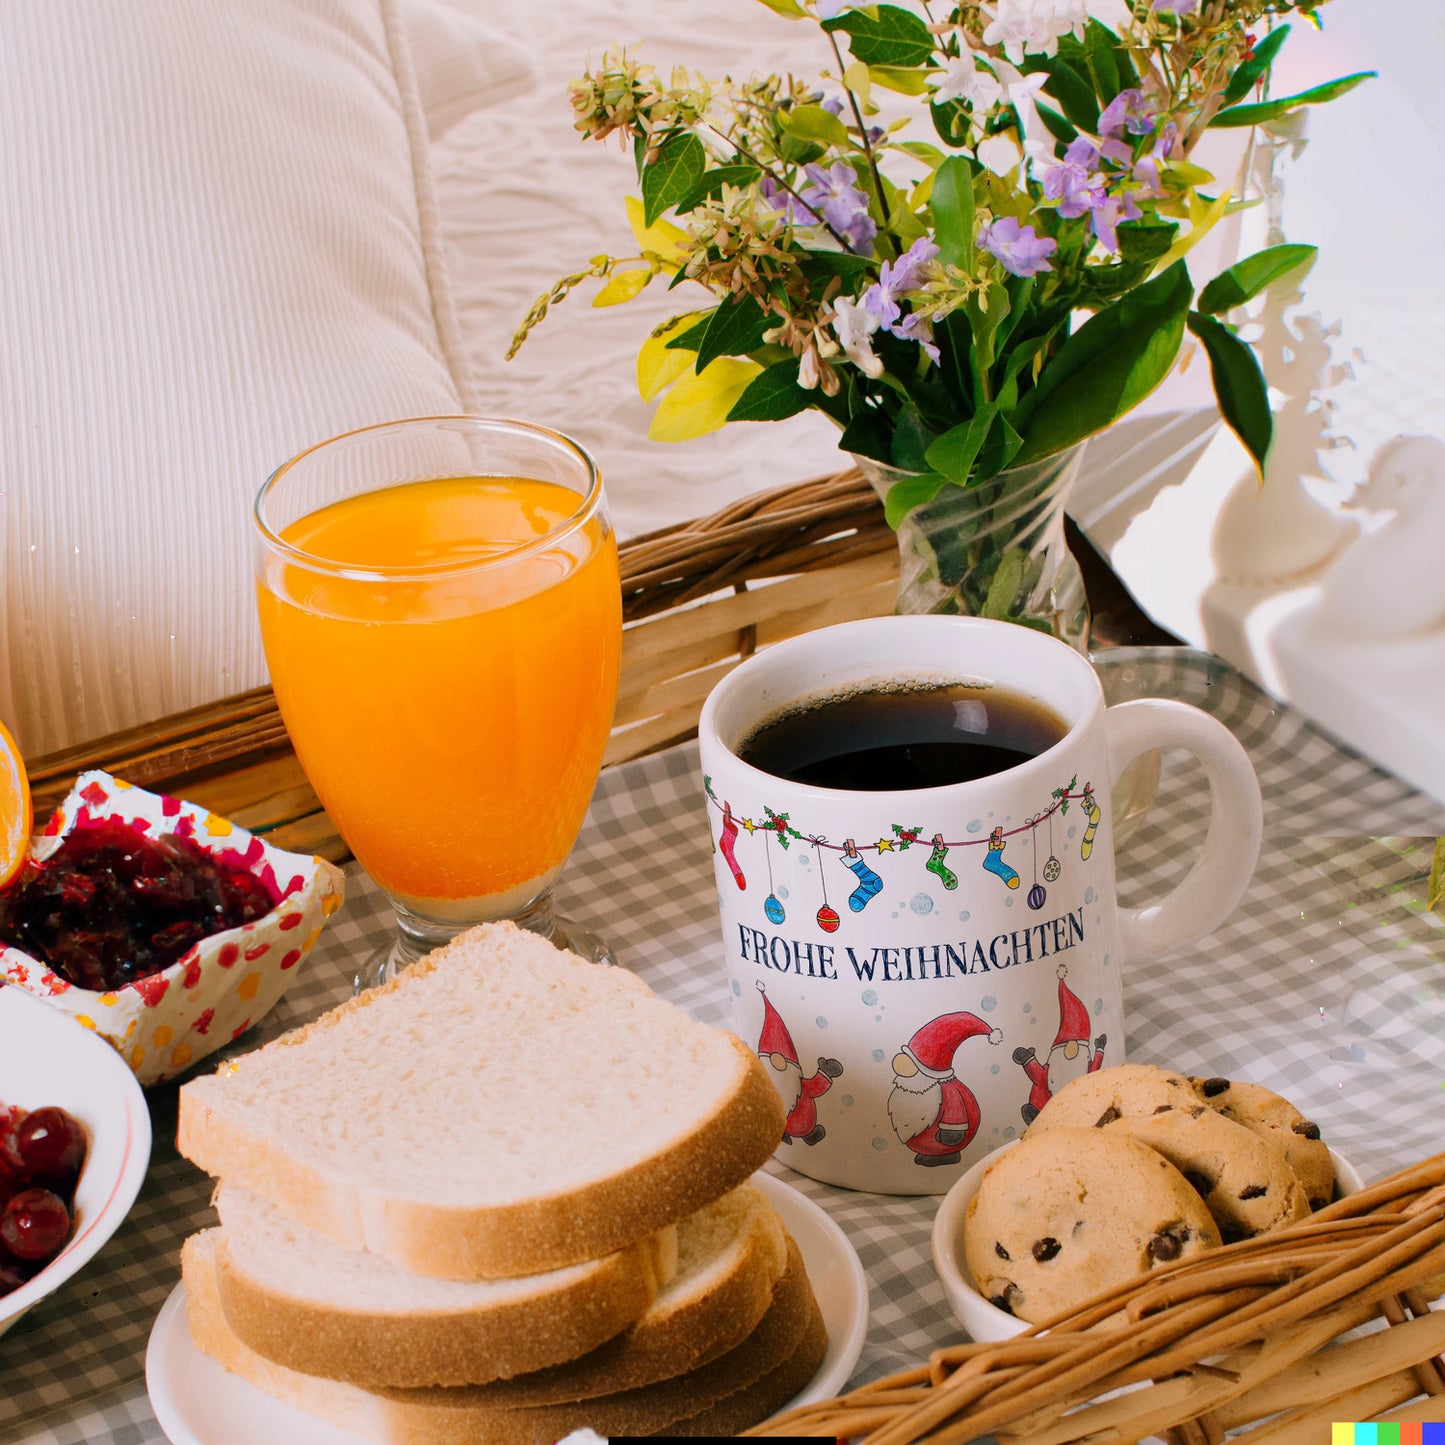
pixel 749 824
pixel 885 845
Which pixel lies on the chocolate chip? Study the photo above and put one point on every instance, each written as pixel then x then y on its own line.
pixel 999 1250
pixel 1254 1191
pixel 1167 1244
pixel 1308 1129
pixel 1006 1299
pixel 1233 1233
pixel 1164 1109
pixel 1210 1087
pixel 1202 1184
pixel 1107 1117
pixel 1197 1111
pixel 1046 1249
pixel 1318 1204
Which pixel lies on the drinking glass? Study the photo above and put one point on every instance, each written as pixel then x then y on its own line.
pixel 441 612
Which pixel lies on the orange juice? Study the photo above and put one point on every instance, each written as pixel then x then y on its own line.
pixel 451 697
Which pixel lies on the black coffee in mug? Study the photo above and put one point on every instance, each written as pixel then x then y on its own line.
pixel 903 735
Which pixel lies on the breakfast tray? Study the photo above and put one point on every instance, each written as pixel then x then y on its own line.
pixel 1325 985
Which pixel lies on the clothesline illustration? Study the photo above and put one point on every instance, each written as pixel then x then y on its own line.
pixel 778 828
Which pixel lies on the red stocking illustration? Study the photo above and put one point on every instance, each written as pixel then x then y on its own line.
pixel 727 842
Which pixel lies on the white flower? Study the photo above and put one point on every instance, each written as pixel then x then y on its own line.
pixel 854 325
pixel 999 154
pixel 1033 26
pixel 966 79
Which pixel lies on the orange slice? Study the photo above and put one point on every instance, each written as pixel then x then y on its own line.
pixel 15 814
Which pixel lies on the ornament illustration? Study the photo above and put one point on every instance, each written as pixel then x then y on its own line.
pixel 1092 812
pixel 827 915
pixel 932 1111
pixel 800 1092
pixel 993 860
pixel 869 883
pixel 773 909
pixel 727 843
pixel 935 864
pixel 1037 893
pixel 1071 1056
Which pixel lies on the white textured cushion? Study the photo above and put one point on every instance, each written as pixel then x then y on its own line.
pixel 461 64
pixel 218 245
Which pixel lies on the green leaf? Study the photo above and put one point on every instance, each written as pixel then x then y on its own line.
pixel 1239 385
pixel 868 434
pixel 734 329
pixel 916 489
pixel 672 174
pixel 952 122
pixel 1247 278
pixel 1056 125
pixel 885 35
pixel 953 454
pixel 899 78
pixel 1068 86
pixel 911 440
pixel 813 123
pixel 1238 115
pixel 773 395
pixel 1107 367
pixel 691 339
pixel 951 202
pixel 710 183
pixel 1099 52
pixel 1003 589
pixel 1252 71
pixel 1435 895
pixel 921 150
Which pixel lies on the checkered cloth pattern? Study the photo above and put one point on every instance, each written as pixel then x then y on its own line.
pixel 1325 985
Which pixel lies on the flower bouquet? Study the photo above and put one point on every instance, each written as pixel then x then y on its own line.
pixel 966 245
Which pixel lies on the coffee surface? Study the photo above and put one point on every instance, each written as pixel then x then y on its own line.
pixel 902 737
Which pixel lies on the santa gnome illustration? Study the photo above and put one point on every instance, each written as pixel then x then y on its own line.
pixel 800 1094
pixel 1071 1056
pixel 931 1110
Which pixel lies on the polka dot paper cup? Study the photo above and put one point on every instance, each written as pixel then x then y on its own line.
pixel 162 1024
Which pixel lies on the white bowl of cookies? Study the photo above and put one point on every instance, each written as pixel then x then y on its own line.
pixel 1124 1170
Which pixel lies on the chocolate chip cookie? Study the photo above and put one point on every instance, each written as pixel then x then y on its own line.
pixel 1093 1100
pixel 1245 1183
pixel 1068 1212
pixel 1278 1122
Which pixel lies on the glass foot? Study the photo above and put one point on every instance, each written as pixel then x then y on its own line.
pixel 383 963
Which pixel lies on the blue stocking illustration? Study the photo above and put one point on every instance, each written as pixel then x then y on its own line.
pixel 869 883
pixel 935 864
pixel 994 860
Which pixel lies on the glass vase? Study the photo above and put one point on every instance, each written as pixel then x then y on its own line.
pixel 994 548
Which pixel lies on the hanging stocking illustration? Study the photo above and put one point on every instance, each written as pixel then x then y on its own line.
pixel 772 905
pixel 727 841
pixel 870 885
pixel 1053 867
pixel 935 864
pixel 1091 811
pixel 1037 894
pixel 828 919
pixel 993 860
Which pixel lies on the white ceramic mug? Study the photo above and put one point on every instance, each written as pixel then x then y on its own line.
pixel 922 969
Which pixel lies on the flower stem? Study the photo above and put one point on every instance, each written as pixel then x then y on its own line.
pixel 863 138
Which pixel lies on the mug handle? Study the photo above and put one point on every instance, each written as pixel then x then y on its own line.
pixel 1215 884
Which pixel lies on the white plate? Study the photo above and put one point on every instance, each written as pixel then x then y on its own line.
pixel 199 1403
pixel 48 1058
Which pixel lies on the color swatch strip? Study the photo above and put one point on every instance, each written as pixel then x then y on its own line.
pixel 1383 1433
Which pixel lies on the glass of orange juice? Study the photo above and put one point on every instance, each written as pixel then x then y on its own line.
pixel 441 612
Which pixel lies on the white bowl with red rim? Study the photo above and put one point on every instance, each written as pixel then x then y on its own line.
pixel 47 1058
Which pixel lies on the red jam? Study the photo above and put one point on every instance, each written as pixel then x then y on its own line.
pixel 112 905
pixel 41 1154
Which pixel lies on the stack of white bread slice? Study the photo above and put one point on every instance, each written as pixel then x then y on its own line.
pixel 501 1198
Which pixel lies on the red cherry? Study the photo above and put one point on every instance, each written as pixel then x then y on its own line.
pixel 34 1225
pixel 12 1276
pixel 51 1144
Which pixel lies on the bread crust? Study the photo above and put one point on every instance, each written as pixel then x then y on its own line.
pixel 445 1347
pixel 493 1240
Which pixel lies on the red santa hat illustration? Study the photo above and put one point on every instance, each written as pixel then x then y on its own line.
pixel 1073 1016
pixel 933 1046
pixel 775 1038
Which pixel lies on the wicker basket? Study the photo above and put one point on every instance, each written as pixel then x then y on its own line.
pixel 697 598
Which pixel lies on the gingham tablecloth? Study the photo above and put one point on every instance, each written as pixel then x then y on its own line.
pixel 1328 984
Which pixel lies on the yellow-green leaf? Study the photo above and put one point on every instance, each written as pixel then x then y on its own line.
pixel 1202 218
pixel 623 286
pixel 696 405
pixel 1435 898
pixel 659 365
pixel 902 79
pixel 662 238
pixel 789 9
pixel 858 80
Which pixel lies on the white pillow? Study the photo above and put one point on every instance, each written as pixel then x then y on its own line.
pixel 460 64
pixel 218 245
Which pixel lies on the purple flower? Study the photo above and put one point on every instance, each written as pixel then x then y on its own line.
pixel 834 194
pixel 1176 7
pixel 1074 187
pixel 779 198
pixel 1131 111
pixel 1108 216
pixel 909 271
pixel 1020 250
pixel 1082 152
pixel 917 328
